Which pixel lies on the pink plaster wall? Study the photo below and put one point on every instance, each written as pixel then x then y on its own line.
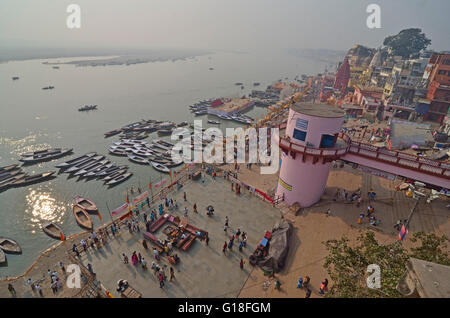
pixel 308 180
pixel 317 126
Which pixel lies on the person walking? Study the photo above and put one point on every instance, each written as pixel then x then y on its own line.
pixel 224 247
pixel 39 289
pixel 185 212
pixel 161 280
pixel 184 196
pixel 63 269
pixel 125 258
pixel 172 273
pixel 207 239
pixel 241 263
pixel 31 284
pixel 11 290
pixel 195 208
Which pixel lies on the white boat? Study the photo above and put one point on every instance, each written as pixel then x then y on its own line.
pixel 160 167
pixel 138 159
pixel 119 179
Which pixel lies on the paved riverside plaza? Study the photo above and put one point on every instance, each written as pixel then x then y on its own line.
pixel 203 270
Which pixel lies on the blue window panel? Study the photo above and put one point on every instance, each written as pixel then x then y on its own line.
pixel 300 135
pixel 327 141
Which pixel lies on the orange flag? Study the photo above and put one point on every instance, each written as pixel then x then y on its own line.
pixel 99 216
pixel 61 235
pixel 128 201
pixel 150 185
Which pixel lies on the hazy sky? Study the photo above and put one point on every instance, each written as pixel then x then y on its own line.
pixel 219 24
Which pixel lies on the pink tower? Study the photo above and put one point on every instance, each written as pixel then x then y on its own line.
pixel 309 146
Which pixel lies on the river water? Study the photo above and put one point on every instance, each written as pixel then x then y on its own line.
pixel 33 119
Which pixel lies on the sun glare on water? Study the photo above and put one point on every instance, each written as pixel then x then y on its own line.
pixel 43 208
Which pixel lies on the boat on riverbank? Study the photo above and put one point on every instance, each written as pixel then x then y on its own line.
pixel 82 217
pixel 160 167
pixel 2 257
pixel 52 230
pixel 88 205
pixel 138 159
pixel 119 179
pixel 10 246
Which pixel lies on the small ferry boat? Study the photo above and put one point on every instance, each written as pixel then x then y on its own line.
pixel 10 246
pixel 119 179
pixel 88 205
pixel 138 159
pixel 215 122
pixel 160 167
pixel 82 217
pixel 114 175
pixel 52 230
pixel 164 132
pixel 86 108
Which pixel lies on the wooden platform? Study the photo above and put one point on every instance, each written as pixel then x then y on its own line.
pixel 130 292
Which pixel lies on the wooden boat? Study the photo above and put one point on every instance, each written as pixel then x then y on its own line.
pixel 88 205
pixel 28 180
pixel 84 163
pixel 92 166
pixel 74 161
pixel 2 257
pixel 164 143
pixel 117 152
pixel 9 246
pixel 9 174
pixel 109 171
pixel 143 152
pixel 93 173
pixel 114 175
pixel 215 122
pixel 164 132
pixel 182 124
pixel 44 155
pixel 8 168
pixel 6 183
pixel 138 159
pixel 121 178
pixel 82 217
pixel 52 230
pixel 113 132
pixel 160 167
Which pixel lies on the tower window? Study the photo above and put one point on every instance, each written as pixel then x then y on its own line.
pixel 300 135
pixel 327 141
